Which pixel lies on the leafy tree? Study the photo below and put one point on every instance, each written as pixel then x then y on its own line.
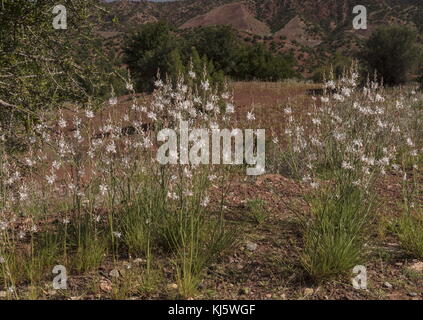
pixel 204 69
pixel 256 62
pixel 219 43
pixel 153 48
pixel 392 53
pixel 41 67
pixel 215 51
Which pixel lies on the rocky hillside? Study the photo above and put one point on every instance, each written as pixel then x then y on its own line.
pixel 312 30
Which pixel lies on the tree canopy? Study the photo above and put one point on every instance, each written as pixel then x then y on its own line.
pixel 40 66
pixel 392 52
pixel 156 46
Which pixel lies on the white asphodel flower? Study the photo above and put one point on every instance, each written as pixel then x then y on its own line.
pixel 113 101
pixel 89 114
pixel 314 185
pixel 205 201
pixel 103 189
pixel 230 108
pixel 251 116
pixel 347 166
pixel 62 123
pixel 111 148
pixel 129 86
pixel 205 85
pixel 152 116
pixel 51 179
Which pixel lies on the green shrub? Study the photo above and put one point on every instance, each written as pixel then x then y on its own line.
pixel 410 233
pixel 157 47
pixel 256 210
pixel 43 257
pixel 333 236
pixel 88 245
pixel 153 48
pixel 392 52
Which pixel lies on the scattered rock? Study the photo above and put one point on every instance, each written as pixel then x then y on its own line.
pixel 52 292
pixel 413 294
pixel 114 273
pixel 418 266
pixel 251 246
pixel 3 294
pixel 399 264
pixel 395 296
pixel 269 296
pixel 388 285
pixel 173 286
pixel 105 285
pixel 139 261
pixel 308 291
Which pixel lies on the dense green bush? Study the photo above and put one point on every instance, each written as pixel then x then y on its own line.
pixel 157 47
pixel 410 234
pixel 220 44
pixel 256 62
pixel 392 52
pixel 42 67
pixel 154 48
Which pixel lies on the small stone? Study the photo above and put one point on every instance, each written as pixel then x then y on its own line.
pixel 388 285
pixel 308 291
pixel 52 292
pixel 399 264
pixel 3 294
pixel 105 285
pixel 418 266
pixel 269 296
pixel 412 294
pixel 114 273
pixel 251 246
pixel 173 286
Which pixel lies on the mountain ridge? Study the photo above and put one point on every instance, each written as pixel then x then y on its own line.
pixel 312 30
